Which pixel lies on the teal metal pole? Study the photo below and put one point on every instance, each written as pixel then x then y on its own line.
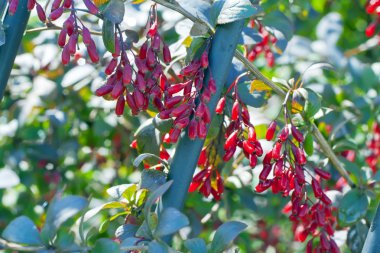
pixel 187 152
pixel 14 30
pixel 372 241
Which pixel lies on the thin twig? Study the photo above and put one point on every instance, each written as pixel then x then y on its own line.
pixel 55 27
pixel 369 44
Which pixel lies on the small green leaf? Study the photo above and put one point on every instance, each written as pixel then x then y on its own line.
pixel 152 179
pixel 156 247
pixel 352 207
pixel 196 245
pixel 171 220
pixel 117 191
pixel 308 145
pixel 145 156
pixel 312 101
pixel 155 195
pixel 233 10
pixel 148 140
pixel 130 192
pixel 22 230
pixel 125 231
pixel 105 245
pixel 108 35
pixel 356 236
pixel 163 125
pixel 225 234
pixel 345 144
pixel 114 11
pixel 104 226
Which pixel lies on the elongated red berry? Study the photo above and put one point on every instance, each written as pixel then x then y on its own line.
pixel 271 130
pixel 202 157
pixel 92 53
pixel 86 35
pixel 212 85
pixel 138 98
pixel 284 134
pixel 72 44
pixel 248 147
pixel 235 110
pixel 131 102
pixel 156 42
pixel 104 90
pixel 178 111
pixel 55 5
pixel 371 29
pixel 202 129
pixel 229 154
pixel 171 102
pixel 40 12
pixel 54 15
pixel 231 140
pixel 265 172
pixel 297 134
pixel 65 55
pixel 62 38
pixel 193 129
pixel 323 174
pixel 316 188
pixel 175 88
pixel 91 6
pixel 127 74
pixel 276 153
pixel 220 106
pixel 251 133
pixel 31 4
pixel 13 6
pixel 204 60
pixel 253 160
pixel 67 3
pixel 120 105
pixel 117 90
pixel 166 54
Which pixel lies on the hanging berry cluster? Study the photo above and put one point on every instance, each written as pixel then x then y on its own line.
pixel 240 132
pixel 287 161
pixel 181 100
pixel 208 180
pixel 373 160
pixel 373 8
pixel 137 85
pixel 72 28
pixel 264 47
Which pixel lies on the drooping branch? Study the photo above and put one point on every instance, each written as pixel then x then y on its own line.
pixel 325 147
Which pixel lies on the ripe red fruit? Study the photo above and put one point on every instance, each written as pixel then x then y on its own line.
pixel 40 12
pixel 251 133
pixel 13 6
pixel 284 134
pixel 54 15
pixel 65 58
pixel 229 154
pixel 204 60
pixel 323 174
pixel 371 29
pixel 104 90
pixel 265 172
pixel 166 54
pixel 248 147
pixel 276 153
pixel 193 131
pixel 92 53
pixel 86 35
pixel 62 38
pixel 220 106
pixel 202 129
pixel 297 134
pixel 235 110
pixel 316 188
pixel 252 160
pixel 271 130
pixel 31 4
pixel 212 85
pixel 117 90
pixel 120 105
pixel 231 140
pixel 91 6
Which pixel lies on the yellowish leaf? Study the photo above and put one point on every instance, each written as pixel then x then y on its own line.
pixel 187 41
pixel 100 2
pixel 258 85
pixel 296 107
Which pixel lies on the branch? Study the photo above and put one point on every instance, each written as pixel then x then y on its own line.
pixel 369 44
pixel 51 26
pixel 325 147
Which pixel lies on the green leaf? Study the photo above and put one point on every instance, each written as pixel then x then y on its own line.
pixel 156 247
pixel 65 240
pixel 105 245
pixel 130 192
pixel 171 220
pixel 114 11
pixel 125 231
pixel 312 101
pixel 225 234
pixel 308 145
pixel 352 207
pixel 117 191
pixel 318 5
pixel 129 242
pixel 8 178
pixel 145 156
pixel 152 179
pixel 108 35
pixel 277 21
pixel 163 125
pixel 356 236
pixel 148 140
pixel 22 230
pixel 233 10
pixel 155 195
pixel 254 98
pixel 345 144
pixel 104 226
pixel 60 210
pixel 196 245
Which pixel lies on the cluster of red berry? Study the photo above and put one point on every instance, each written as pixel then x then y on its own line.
pixel 373 8
pixel 240 132
pixel 373 159
pixel 136 86
pixel 208 180
pixel 287 160
pixel 263 47
pixel 73 27
pixel 181 101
